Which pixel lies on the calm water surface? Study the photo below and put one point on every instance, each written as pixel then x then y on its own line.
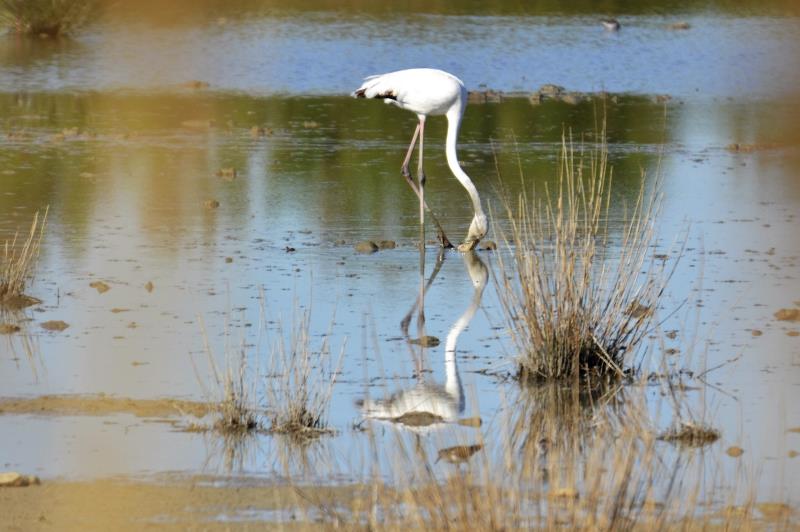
pixel 100 130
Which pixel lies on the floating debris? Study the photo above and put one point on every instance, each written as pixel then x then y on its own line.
pixel 54 325
pixel 734 451
pixel 228 174
pixel 788 314
pixel 691 435
pixel 679 26
pixel 366 246
pixel 100 286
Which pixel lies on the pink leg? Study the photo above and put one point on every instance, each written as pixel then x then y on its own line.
pixel 445 243
pixel 404 168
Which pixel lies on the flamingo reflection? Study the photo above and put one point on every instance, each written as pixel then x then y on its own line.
pixel 428 403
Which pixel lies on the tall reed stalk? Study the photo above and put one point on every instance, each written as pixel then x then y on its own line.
pixel 574 305
pixel 18 260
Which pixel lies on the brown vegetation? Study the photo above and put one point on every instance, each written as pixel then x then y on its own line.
pixel 17 263
pixel 573 308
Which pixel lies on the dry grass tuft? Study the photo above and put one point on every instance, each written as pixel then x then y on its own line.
pixel 17 262
pixel 49 18
pixel 298 389
pixel 232 395
pixel 566 299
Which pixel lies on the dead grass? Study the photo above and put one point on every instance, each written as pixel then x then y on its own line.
pixel 49 18
pixel 233 389
pixel 573 306
pixel 287 391
pixel 17 263
pixel 299 388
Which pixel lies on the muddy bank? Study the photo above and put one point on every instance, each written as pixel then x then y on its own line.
pixel 101 405
pixel 176 504
pixel 203 502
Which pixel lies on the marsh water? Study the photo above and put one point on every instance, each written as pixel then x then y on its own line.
pixel 113 131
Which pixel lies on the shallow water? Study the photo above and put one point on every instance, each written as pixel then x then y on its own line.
pixel 98 130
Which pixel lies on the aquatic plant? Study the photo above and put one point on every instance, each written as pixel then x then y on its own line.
pixel 47 17
pixel 17 262
pixel 573 308
pixel 299 390
pixel 233 390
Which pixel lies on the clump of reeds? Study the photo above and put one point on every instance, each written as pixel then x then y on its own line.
pixel 17 262
pixel 233 393
pixel 47 17
pixel 298 389
pixel 573 307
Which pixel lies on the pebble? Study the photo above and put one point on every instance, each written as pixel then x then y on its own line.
pixel 366 246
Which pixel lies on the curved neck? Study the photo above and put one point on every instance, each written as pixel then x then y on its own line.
pixel 453 123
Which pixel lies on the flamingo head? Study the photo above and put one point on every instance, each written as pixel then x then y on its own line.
pixel 477 230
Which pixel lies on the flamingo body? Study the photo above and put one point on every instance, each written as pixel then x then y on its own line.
pixel 430 92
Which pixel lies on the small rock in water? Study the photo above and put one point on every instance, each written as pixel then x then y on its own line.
pixel 679 26
pixel 366 246
pixel 8 328
pixel 149 286
pixel 12 479
pixel 211 204
pixel 734 451
pixel 100 286
pixel 788 314
pixel 387 244
pixel 458 454
pixel 425 341
pixel 258 131
pixel 489 245
pixel 228 260
pixel 756 332
pixel 793 454
pixel 55 325
pixel 228 174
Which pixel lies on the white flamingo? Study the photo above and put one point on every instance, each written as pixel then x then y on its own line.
pixel 427 91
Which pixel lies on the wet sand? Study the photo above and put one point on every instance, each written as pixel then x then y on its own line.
pixel 175 504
